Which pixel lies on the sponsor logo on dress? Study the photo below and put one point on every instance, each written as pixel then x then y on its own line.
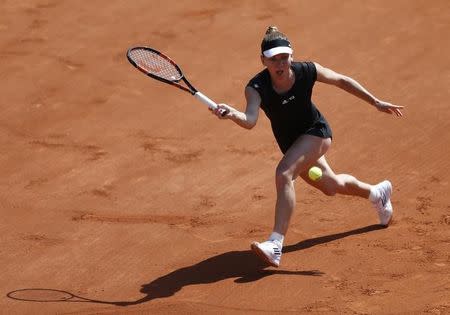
pixel 285 101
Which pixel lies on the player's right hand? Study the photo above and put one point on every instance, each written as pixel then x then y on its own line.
pixel 222 111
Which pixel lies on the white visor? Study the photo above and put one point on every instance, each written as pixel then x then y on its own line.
pixel 277 50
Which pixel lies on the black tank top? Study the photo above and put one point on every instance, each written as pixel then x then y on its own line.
pixel 293 113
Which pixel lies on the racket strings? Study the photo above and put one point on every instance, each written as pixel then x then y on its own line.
pixel 155 64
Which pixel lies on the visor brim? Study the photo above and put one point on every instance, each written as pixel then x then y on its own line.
pixel 276 51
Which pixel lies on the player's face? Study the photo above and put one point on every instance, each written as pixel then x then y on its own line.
pixel 278 65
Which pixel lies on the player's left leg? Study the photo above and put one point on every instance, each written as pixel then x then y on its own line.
pixel 331 184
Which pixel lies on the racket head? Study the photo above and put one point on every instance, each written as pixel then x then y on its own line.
pixel 155 64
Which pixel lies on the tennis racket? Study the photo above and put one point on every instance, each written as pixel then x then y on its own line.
pixel 160 67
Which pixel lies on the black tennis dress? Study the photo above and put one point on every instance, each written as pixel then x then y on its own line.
pixel 293 113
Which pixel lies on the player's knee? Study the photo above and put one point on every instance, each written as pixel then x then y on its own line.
pixel 282 178
pixel 282 175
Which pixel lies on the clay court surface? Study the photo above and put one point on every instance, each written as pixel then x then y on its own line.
pixel 128 193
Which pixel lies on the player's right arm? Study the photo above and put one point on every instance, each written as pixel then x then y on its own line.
pixel 245 119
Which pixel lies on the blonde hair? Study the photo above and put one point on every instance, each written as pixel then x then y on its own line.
pixel 272 33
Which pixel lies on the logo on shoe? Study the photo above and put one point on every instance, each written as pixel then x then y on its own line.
pixel 383 199
pixel 276 251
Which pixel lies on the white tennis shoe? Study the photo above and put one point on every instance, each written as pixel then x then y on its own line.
pixel 269 251
pixel 383 205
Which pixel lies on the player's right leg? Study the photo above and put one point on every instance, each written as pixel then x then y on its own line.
pixel 305 151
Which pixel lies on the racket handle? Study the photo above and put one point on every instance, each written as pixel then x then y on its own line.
pixel 210 103
pixel 206 100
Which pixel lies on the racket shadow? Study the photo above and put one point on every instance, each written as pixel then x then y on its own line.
pixel 242 265
pixel 41 295
pixel 245 266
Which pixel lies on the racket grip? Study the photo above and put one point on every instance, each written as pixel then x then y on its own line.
pixel 206 100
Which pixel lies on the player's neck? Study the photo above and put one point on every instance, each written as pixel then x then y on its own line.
pixel 283 83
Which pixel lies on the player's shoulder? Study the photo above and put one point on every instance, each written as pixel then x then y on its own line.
pixel 301 65
pixel 260 80
pixel 305 69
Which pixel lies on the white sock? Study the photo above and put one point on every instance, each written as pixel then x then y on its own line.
pixel 374 194
pixel 276 237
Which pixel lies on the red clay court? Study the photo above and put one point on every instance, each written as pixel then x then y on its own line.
pixel 128 193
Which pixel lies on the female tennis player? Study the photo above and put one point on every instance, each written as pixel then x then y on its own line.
pixel 283 91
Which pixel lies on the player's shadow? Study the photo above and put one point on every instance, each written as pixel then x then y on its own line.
pixel 329 238
pixel 245 266
pixel 242 265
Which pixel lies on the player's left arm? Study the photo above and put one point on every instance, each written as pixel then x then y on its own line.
pixel 353 87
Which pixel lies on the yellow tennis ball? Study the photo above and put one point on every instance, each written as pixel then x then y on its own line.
pixel 315 173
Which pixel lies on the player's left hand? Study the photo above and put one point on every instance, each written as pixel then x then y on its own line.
pixel 389 108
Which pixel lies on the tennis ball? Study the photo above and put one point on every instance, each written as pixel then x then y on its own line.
pixel 315 173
